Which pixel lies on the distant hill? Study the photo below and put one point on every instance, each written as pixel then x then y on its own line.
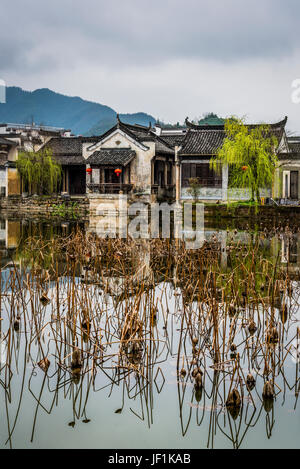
pixel 211 119
pixel 45 107
pixel 207 119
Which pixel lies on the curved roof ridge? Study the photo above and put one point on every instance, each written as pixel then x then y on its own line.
pixel 157 137
pixel 134 126
pixel 185 138
pixel 191 125
pixel 6 141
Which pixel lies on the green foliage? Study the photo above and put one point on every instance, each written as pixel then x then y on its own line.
pixel 194 189
pixel 64 210
pixel 39 171
pixel 210 118
pixel 250 155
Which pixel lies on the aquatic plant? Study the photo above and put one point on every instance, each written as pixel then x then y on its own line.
pixel 67 210
pixel 91 314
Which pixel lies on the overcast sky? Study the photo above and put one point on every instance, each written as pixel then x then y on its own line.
pixel 169 58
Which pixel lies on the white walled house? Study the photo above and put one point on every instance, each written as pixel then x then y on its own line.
pixel 199 144
pixel 144 159
pixel 127 158
pixel 153 163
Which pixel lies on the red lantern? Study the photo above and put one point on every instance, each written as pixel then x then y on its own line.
pixel 89 170
pixel 118 172
pixel 245 168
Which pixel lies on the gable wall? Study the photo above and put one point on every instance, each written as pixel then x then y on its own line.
pixel 140 167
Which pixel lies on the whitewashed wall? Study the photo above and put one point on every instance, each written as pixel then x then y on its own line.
pixel 2 180
pixel 140 167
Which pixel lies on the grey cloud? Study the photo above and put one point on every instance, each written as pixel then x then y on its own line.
pixel 61 33
pixel 227 56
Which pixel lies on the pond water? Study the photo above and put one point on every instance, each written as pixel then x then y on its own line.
pixel 142 318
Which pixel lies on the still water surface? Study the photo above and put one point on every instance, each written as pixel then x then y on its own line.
pixel 104 409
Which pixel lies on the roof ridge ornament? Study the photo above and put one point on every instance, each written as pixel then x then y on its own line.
pixel 193 126
pixel 190 125
pixel 284 122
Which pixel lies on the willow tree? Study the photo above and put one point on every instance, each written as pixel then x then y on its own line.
pixel 250 153
pixel 39 171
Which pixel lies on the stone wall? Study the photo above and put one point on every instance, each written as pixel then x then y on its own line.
pixel 252 216
pixel 88 209
pixel 205 193
pixel 39 206
pixel 235 194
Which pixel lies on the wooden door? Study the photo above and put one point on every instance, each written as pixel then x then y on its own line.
pixel 294 184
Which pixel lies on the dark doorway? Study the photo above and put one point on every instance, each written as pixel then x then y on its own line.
pixel 77 180
pixel 294 184
pixel 110 176
pixel 159 173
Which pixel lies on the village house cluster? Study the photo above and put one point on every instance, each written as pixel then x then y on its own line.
pixel 154 163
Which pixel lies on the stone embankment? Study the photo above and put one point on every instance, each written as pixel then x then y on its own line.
pixel 76 207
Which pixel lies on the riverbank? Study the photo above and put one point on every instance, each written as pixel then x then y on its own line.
pixel 244 217
pixel 237 215
pixel 36 206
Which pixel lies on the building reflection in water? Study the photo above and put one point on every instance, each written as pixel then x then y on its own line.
pixel 290 250
pixel 13 232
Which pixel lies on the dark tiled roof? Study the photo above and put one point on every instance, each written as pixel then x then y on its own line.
pixel 190 125
pixel 294 144
pixel 161 147
pixel 204 142
pixel 146 134
pixel 73 160
pixel 68 145
pixel 173 140
pixel 10 135
pixel 94 139
pixel 208 139
pixel 295 147
pixel 111 156
pixel 141 132
pixel 138 130
pixel 68 150
pixel 138 133
pixel 142 135
pixel 289 156
pixel 5 141
pixel 65 146
pixel 3 160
